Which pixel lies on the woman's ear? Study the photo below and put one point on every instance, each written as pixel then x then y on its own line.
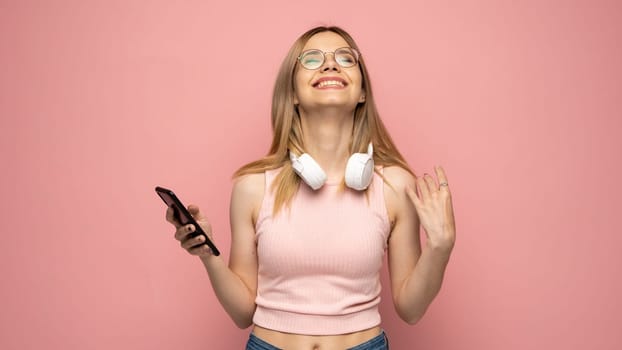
pixel 362 98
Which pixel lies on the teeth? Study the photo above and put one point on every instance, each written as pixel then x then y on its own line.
pixel 330 83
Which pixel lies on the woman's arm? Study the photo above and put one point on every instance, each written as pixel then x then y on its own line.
pixel 235 285
pixel 416 275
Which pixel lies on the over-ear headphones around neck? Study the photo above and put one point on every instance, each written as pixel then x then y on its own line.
pixel 358 175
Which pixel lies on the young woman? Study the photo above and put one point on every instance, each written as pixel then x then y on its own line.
pixel 311 221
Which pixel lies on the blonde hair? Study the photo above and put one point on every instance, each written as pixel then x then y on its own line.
pixel 287 130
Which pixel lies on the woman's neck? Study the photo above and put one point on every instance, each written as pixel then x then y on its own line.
pixel 327 134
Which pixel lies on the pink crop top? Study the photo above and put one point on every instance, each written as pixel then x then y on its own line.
pixel 319 264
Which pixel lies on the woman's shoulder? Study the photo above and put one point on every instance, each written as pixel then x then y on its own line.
pixel 254 183
pixel 397 180
pixel 251 185
pixel 247 195
pixel 398 177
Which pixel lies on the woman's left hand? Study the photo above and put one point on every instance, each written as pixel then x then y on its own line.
pixel 433 205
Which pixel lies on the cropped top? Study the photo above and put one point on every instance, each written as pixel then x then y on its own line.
pixel 319 263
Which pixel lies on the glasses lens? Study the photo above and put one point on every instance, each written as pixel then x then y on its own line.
pixel 312 59
pixel 346 57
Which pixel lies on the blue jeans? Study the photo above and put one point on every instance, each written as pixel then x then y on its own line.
pixel 380 342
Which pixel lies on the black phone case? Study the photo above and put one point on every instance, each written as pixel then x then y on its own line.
pixel 183 216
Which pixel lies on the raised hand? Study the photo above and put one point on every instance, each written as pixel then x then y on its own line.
pixel 435 210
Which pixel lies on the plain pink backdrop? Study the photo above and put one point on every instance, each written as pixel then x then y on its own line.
pixel 100 101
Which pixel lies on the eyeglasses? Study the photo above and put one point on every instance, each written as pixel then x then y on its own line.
pixel 312 59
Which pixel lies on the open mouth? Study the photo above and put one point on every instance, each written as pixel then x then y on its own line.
pixel 329 83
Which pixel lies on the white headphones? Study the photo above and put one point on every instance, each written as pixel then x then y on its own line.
pixel 359 170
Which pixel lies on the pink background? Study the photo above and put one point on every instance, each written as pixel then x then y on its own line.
pixel 100 101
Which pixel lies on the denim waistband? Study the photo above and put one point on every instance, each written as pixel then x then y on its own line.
pixel 379 342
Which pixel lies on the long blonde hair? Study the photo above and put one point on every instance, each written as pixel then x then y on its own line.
pixel 287 130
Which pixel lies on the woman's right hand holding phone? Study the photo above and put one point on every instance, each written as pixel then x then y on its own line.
pixel 185 233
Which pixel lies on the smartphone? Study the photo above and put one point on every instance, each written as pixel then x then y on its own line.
pixel 183 216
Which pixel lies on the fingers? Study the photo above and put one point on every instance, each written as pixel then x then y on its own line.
pixel 196 212
pixel 425 184
pixel 183 231
pixel 424 192
pixel 170 217
pixel 200 250
pixel 192 242
pixel 431 182
pixel 442 178
pixel 192 209
pixel 194 245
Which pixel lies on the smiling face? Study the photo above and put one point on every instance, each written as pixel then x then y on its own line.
pixel 331 85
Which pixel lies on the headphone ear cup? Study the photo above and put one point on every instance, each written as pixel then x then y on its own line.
pixel 308 170
pixel 360 169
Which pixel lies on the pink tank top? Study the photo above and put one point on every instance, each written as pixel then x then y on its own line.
pixel 319 263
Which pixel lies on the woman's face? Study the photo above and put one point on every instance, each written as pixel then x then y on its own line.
pixel 330 85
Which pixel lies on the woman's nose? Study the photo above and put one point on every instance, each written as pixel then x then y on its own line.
pixel 330 63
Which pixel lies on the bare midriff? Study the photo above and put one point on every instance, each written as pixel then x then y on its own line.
pixel 288 341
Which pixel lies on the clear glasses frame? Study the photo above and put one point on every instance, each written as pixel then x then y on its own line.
pixel 313 59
